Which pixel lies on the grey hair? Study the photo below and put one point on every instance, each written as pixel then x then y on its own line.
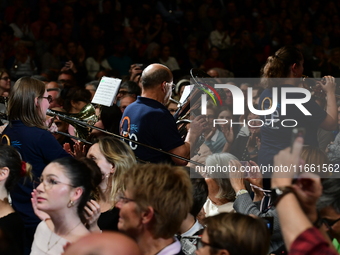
pixel 330 195
pixel 221 177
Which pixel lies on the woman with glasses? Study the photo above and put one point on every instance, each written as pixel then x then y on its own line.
pixel 234 234
pixel 27 132
pixel 11 170
pixel 64 189
pixel 114 158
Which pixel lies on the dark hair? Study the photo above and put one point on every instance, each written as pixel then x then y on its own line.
pixel 200 191
pixel 110 117
pixel 82 173
pixel 277 66
pixel 75 94
pixel 159 74
pixel 10 157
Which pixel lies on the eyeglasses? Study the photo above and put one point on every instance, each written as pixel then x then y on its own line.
pixel 49 182
pixel 330 223
pixel 49 98
pixel 171 84
pixel 201 244
pixel 121 198
pixel 5 78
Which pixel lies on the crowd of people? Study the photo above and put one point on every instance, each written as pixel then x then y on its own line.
pixel 92 36
pixel 145 185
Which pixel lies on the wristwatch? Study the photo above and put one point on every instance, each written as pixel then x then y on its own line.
pixel 278 193
pixel 241 191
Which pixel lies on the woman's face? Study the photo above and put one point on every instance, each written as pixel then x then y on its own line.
pixel 5 82
pixel 254 123
pixel 44 104
pixel 55 189
pixel 105 166
pixel 204 249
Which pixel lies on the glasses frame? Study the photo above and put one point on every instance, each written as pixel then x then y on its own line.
pixel 329 223
pixel 5 78
pixel 201 244
pixel 48 98
pixel 122 198
pixel 49 185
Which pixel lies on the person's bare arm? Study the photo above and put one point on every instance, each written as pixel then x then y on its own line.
pixel 330 123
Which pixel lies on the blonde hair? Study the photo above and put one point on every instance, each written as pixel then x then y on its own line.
pixel 120 155
pixel 21 103
pixel 167 189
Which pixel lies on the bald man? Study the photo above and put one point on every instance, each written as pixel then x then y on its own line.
pixel 148 121
pixel 106 243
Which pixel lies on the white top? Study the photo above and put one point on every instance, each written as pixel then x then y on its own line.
pixel 171 63
pixel 47 242
pixel 211 209
pixel 171 249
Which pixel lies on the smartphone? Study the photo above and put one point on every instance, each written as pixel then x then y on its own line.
pixel 140 65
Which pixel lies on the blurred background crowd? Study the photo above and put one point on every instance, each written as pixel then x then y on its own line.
pixel 43 36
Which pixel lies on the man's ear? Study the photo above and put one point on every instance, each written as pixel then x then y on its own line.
pixel 4 173
pixel 147 215
pixel 163 87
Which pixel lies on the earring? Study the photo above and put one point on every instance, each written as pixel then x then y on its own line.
pixel 107 176
pixel 70 204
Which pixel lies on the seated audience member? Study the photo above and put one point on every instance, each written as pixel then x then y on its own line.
pixel 97 61
pixel 55 97
pixel 299 224
pixel 180 86
pixel 67 79
pixel 221 194
pixel 125 102
pixel 190 226
pixel 11 170
pixel 114 158
pixel 64 190
pixel 234 233
pixel 92 87
pixel 76 99
pixel 128 88
pixel 172 107
pixel 106 243
pixel 245 147
pixel 156 200
pixel 62 126
pixel 329 208
pixel 5 82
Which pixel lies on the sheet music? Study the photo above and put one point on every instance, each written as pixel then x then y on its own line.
pixel 107 91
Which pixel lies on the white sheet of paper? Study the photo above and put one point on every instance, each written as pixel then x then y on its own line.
pixel 186 93
pixel 107 91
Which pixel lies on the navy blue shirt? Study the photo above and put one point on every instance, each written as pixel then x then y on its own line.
pixel 150 122
pixel 278 137
pixel 37 147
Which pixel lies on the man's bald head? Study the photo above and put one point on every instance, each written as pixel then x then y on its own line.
pixel 154 75
pixel 106 243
